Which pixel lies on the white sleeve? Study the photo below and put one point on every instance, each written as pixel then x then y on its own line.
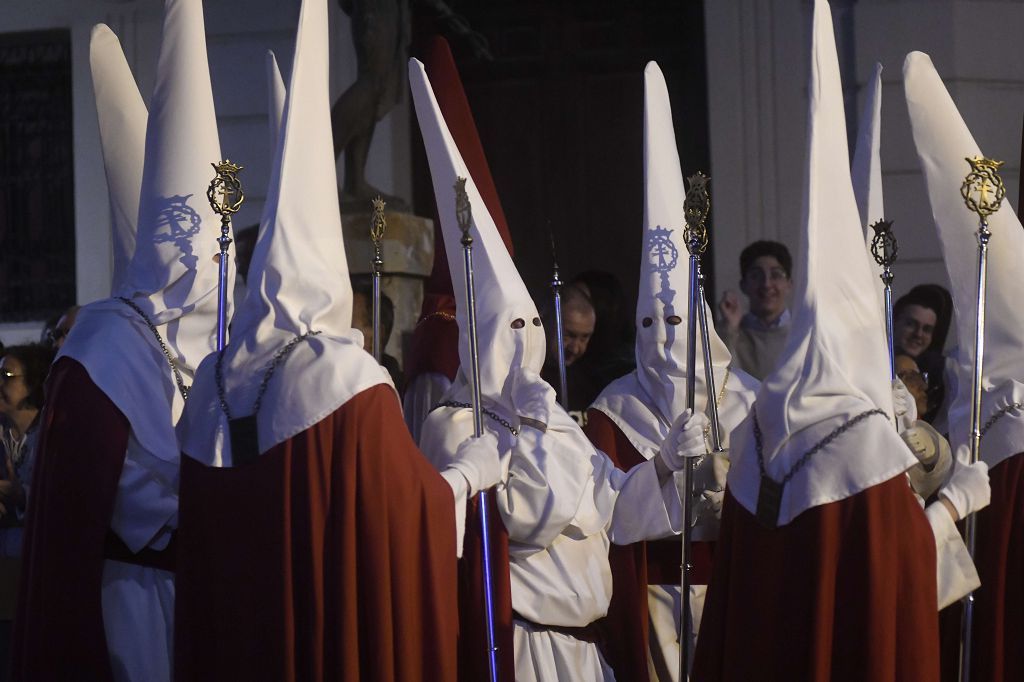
pixel 544 487
pixel 645 509
pixel 460 489
pixel 956 573
pixel 146 507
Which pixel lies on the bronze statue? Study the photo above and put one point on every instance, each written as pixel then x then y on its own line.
pixel 381 32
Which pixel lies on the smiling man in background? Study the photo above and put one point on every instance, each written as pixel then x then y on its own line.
pixel 757 337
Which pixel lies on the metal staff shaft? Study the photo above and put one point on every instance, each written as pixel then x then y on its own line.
pixel 709 368
pixel 377 225
pixel 983 192
pixel 225 196
pixel 556 292
pixel 686 566
pixel 464 216
pixel 884 249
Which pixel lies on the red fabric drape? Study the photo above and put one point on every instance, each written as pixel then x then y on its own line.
pixel 846 591
pixel 997 649
pixel 331 557
pixel 58 632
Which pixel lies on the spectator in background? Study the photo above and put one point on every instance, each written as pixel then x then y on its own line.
pixel 54 336
pixel 610 351
pixel 23 370
pixel 921 320
pixel 757 337
pixel 362 319
pixel 578 322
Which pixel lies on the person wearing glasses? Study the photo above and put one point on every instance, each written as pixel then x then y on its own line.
pixel 23 371
pixel 757 337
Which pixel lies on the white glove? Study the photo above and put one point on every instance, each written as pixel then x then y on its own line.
pixel 477 460
pixel 685 439
pixel 532 397
pixel 968 489
pixel 904 405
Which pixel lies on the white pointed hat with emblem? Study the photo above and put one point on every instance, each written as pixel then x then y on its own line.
pixel 144 362
pixel 833 373
pixel 296 320
pixel 866 171
pixel 943 144
pixel 508 323
pixel 645 403
pixel 122 120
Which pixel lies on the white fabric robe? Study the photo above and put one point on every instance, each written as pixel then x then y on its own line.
pixel 138 602
pixel 562 502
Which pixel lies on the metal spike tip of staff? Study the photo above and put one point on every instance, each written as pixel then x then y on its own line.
pixel 983 193
pixel 696 206
pixel 556 293
pixel 884 249
pixel 378 224
pixel 225 196
pixel 464 217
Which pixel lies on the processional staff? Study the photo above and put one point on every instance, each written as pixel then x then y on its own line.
pixel 556 292
pixel 696 206
pixel 225 196
pixel 884 249
pixel 377 226
pixel 464 217
pixel 983 192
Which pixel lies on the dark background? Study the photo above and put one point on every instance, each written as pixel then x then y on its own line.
pixel 560 114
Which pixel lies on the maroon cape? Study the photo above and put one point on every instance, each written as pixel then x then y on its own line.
pixel 625 630
pixel 58 632
pixel 330 557
pixel 845 591
pixel 997 650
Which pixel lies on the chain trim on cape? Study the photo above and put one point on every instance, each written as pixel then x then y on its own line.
pixel 1002 412
pixel 836 432
pixel 444 315
pixel 182 388
pixel 272 366
pixel 455 403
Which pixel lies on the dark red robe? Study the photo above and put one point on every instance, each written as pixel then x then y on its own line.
pixel 625 631
pixel 845 591
pixel 330 557
pixel 58 631
pixel 997 649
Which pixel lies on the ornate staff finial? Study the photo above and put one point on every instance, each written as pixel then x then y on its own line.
pixel 463 211
pixel 983 189
pixel 884 248
pixel 225 196
pixel 225 192
pixel 696 206
pixel 378 224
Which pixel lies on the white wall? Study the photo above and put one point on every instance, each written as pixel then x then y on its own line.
pixel 757 74
pixel 239 32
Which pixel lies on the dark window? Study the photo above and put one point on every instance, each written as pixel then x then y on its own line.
pixel 37 226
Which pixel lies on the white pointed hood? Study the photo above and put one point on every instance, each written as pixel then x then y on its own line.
pixel 172 276
pixel 867 164
pixel 122 120
pixel 835 364
pixel 501 296
pixel 276 95
pixel 866 171
pixel 943 143
pixel 645 403
pixel 298 283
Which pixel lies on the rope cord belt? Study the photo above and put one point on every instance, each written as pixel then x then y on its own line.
pixel 272 366
pixel 182 388
pixel 769 497
pixel 455 403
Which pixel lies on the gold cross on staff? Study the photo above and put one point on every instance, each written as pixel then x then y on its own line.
pixel 983 190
